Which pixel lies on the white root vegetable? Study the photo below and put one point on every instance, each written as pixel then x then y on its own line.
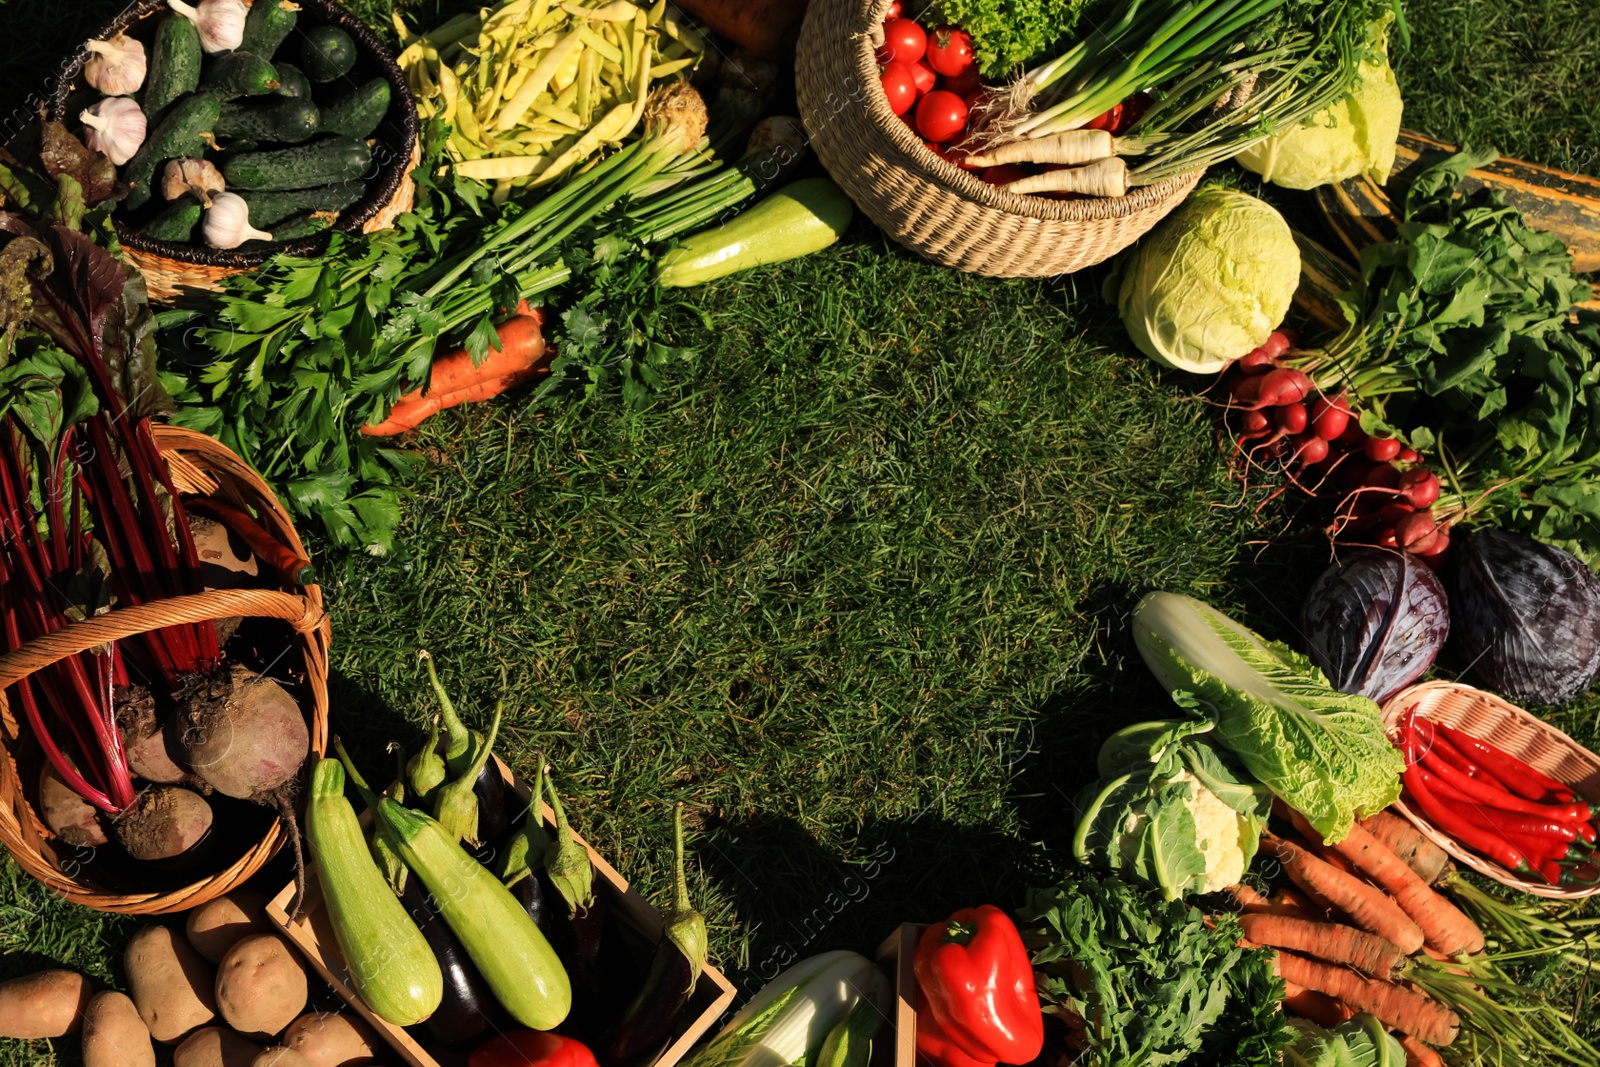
pixel 1104 177
pixel 1071 147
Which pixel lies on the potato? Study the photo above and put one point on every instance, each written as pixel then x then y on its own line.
pixel 170 983
pixel 279 1057
pixel 47 1004
pixel 261 986
pixel 215 926
pixel 215 1046
pixel 114 1035
pixel 332 1039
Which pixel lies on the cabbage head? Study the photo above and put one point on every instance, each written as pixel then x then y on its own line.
pixel 1355 136
pixel 1210 282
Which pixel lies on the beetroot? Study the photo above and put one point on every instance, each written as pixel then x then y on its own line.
pixel 143 738
pixel 70 817
pixel 251 743
pixel 165 821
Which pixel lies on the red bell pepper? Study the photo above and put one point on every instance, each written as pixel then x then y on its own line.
pixel 977 981
pixel 934 1047
pixel 531 1048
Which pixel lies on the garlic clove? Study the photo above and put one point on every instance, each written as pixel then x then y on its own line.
pixel 115 126
pixel 227 222
pixel 116 67
pixel 197 177
pixel 220 22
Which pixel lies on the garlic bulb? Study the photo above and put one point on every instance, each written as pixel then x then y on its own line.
pixel 220 22
pixel 196 176
pixel 115 67
pixel 228 222
pixel 114 126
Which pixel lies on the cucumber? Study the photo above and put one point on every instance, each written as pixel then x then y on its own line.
pixel 183 132
pixel 292 83
pixel 388 960
pixel 326 53
pixel 267 25
pixel 803 217
pixel 321 162
pixel 269 208
pixel 174 67
pixel 239 74
pixel 358 112
pixel 286 120
pixel 176 223
pixel 300 226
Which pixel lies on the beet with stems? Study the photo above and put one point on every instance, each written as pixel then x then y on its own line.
pixel 70 817
pixel 165 821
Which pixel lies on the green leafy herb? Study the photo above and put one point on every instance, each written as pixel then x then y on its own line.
pixel 1008 32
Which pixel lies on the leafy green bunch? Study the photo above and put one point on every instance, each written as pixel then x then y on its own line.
pixel 1006 33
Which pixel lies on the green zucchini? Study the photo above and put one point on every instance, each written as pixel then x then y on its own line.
pixel 285 120
pixel 358 112
pixel 1323 276
pixel 516 961
pixel 183 132
pixel 176 222
pixel 267 25
pixel 326 53
pixel 292 83
pixel 803 217
pixel 239 74
pixel 300 226
pixel 320 162
pixel 269 208
pixel 388 960
pixel 174 67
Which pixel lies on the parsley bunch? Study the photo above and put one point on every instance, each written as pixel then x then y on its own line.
pixel 1006 33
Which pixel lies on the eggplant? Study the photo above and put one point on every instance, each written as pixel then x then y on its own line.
pixel 578 922
pixel 1526 616
pixel 494 802
pixel 469 1010
pixel 1375 622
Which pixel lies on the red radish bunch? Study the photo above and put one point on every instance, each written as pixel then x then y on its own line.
pixel 1386 494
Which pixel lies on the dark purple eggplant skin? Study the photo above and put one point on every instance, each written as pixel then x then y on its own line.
pixel 1375 621
pixel 469 1009
pixel 1526 615
pixel 529 892
pixel 494 799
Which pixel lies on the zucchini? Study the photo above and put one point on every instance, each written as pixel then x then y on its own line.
pixel 267 25
pixel 285 120
pixel 301 226
pixel 239 74
pixel 388 960
pixel 358 112
pixel 174 67
pixel 321 162
pixel 183 132
pixel 269 208
pixel 292 83
pixel 803 217
pixel 176 222
pixel 326 53
pixel 1323 276
pixel 519 965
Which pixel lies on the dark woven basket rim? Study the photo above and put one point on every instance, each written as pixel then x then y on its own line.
pixel 380 190
pixel 942 172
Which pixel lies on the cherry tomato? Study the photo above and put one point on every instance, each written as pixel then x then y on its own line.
pixel 893 12
pixel 531 1048
pixel 1133 110
pixel 926 78
pixel 950 51
pixel 903 41
pixel 968 81
pixel 941 115
pixel 1004 174
pixel 1106 120
pixel 900 86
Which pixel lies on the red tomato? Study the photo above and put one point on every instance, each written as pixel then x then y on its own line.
pixel 531 1048
pixel 903 41
pixel 959 158
pixel 893 12
pixel 1105 120
pixel 968 81
pixel 941 115
pixel 950 51
pixel 1133 110
pixel 1004 174
pixel 900 86
pixel 925 77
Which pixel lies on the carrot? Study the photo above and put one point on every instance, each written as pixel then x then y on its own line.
pixel 1418 1054
pixel 1408 845
pixel 274 553
pixel 1444 927
pixel 769 28
pixel 1367 953
pixel 1318 1007
pixel 1253 903
pixel 1393 1005
pixel 1307 907
pixel 1367 907
pixel 454 379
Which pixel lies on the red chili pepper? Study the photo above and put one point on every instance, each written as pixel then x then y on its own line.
pixel 977 981
pixel 1550 871
pixel 1474 837
pixel 531 1048
pixel 1516 775
pixel 935 1046
pixel 1512 823
pixel 1435 742
pixel 1494 796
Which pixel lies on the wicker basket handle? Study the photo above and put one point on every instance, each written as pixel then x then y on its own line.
pixel 297 611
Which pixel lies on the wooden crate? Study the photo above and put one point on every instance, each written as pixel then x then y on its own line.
pixel 895 956
pixel 314 937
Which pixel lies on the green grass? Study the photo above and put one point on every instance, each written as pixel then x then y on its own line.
pixel 855 586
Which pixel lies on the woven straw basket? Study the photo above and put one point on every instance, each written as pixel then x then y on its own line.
pixel 933 207
pixel 170 268
pixel 1508 727
pixel 201 466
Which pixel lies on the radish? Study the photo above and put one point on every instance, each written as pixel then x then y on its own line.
pixel 1310 449
pixel 1256 361
pixel 166 821
pixel 1353 473
pixel 1276 344
pixel 1419 486
pixel 1382 449
pixel 1416 532
pixel 1283 386
pixel 1292 418
pixel 1386 538
pixel 1382 476
pixel 1354 437
pixel 1247 390
pixel 1408 456
pixel 1254 423
pixel 1438 552
pixel 1329 418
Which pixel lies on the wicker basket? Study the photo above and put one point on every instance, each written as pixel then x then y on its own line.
pixel 170 268
pixel 203 466
pixel 933 207
pixel 1506 726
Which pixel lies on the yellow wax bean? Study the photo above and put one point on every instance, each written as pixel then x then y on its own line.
pixel 600 44
pixel 516 82
pixel 616 11
pixel 465 148
pixel 641 44
pixel 566 118
pixel 582 102
pixel 450 89
pixel 463 25
pixel 658 9
pixel 494 168
pixel 510 12
pixel 538 81
pixel 567 72
pixel 662 70
pixel 610 128
pixel 679 30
